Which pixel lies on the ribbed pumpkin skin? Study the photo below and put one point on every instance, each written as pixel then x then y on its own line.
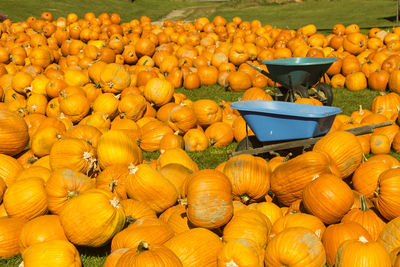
pixel 295 246
pixel 390 235
pixel 179 156
pixel 178 220
pixel 158 91
pixel 250 177
pixel 40 229
pixel 367 218
pixel 242 253
pixel 182 118
pixel 361 253
pixel 365 177
pixel 10 229
pixel 26 198
pixel 92 218
pixel 131 236
pixel 52 253
pixel 209 198
pixel 14 134
pixel 136 210
pixel 154 255
pixel 328 198
pixel 290 178
pixel 148 185
pixel 176 174
pixel 113 257
pixel 335 234
pixel 72 153
pixel 196 247
pixel 63 185
pixel 387 197
pixel 113 179
pixel 86 132
pixel 9 169
pixel 117 147
pixel 269 209
pixel 248 224
pixel 311 222
pixel 344 149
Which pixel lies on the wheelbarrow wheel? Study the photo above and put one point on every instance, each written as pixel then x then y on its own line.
pixel 324 93
pixel 295 93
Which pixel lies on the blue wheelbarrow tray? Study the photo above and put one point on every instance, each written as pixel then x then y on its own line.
pixel 295 71
pixel 277 120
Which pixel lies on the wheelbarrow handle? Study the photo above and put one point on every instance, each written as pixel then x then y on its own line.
pixel 257 68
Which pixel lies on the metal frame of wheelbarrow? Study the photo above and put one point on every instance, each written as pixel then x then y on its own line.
pixel 246 145
pixel 297 75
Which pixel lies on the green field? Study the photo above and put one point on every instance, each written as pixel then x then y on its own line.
pixel 323 13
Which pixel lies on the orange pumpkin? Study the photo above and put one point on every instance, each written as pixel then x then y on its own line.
pixel 13 133
pixel 10 229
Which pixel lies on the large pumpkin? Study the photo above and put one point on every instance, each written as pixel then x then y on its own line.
pixel 117 147
pixel 343 148
pixel 386 194
pixel 209 199
pixel 92 218
pixel 250 177
pixel 148 185
pixel 290 178
pixel 10 229
pixel 52 253
pixel 114 78
pixel 305 249
pixel 13 133
pixel 328 197
pixel 158 91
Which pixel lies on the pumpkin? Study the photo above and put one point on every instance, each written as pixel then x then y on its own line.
pixel 145 255
pixel 207 111
pixel 386 104
pixel 106 103
pixel 176 174
pixel 209 199
pixel 178 156
pixel 114 78
pixel 290 178
pixel 385 194
pixel 367 218
pixel 113 179
pixel 10 229
pixel 311 222
pixel 344 149
pixel 306 249
pixel 220 134
pixel 26 198
pixel 73 153
pixel 117 147
pixel 158 91
pixel 359 252
pixel 154 232
pixel 380 144
pixel 249 225
pixel 14 134
pixel 196 140
pixel 128 126
pixel 328 198
pixel 43 140
pixel 269 209
pixel 239 81
pixel 181 118
pixel 250 177
pixel 51 253
pixel 365 177
pixel 41 229
pixel 132 107
pixel 356 81
pixel 171 141
pixel 201 247
pixel 152 133
pixel 78 213
pixel 148 185
pixel 336 234
pixel 378 80
pixel 394 81
pixel 88 133
pixel 9 169
pixel 390 235
pixel 34 171
pixel 137 210
pixel 355 43
pixel 241 253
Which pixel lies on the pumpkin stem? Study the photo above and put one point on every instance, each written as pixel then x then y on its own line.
pixel 363 203
pixel 363 239
pixel 182 201
pixel 32 160
pixel 245 198
pixel 377 191
pixel 113 185
pixel 143 246
pixel 72 194
pixel 232 263
pixel 132 168
pixel 115 203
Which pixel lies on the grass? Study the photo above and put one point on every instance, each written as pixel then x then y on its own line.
pixel 323 13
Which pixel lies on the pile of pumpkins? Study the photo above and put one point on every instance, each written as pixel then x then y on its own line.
pixel 83 98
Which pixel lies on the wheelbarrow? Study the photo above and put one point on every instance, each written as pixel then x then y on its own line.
pixel 284 127
pixel 297 76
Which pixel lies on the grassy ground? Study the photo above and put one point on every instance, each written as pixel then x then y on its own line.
pixel 323 13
